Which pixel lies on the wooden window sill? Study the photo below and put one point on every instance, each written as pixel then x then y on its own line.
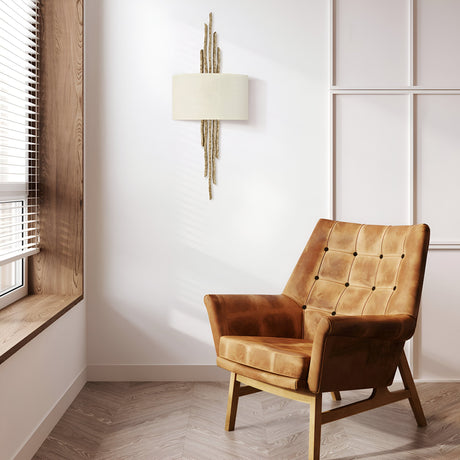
pixel 21 321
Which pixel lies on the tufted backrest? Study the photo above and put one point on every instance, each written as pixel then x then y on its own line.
pixel 356 269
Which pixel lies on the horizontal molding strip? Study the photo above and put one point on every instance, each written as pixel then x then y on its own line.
pixel 403 89
pixel 444 246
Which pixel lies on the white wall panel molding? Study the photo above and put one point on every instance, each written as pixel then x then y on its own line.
pixel 445 245
pixel 371 65
pixel 411 40
pixel 403 90
pixel 417 19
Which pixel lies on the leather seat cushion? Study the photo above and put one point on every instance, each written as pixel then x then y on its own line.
pixel 281 356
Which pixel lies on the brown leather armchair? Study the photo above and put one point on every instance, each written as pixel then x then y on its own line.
pixel 340 324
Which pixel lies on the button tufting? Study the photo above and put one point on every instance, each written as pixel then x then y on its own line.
pixel 316 277
pixel 326 249
pixel 304 307
pixel 333 313
pixel 381 256
pixel 373 288
pixel 394 288
pixel 347 284
pixel 402 256
pixel 355 253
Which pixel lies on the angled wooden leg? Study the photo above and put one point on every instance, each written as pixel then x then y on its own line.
pixel 314 442
pixel 409 384
pixel 336 396
pixel 232 404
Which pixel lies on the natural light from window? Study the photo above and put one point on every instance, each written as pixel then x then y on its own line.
pixel 19 103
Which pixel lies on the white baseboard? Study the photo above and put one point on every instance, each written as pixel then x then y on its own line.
pixel 147 373
pixel 28 449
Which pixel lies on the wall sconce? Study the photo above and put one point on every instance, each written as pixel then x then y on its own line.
pixel 210 96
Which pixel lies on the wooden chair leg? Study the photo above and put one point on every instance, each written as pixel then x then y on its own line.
pixel 232 404
pixel 315 428
pixel 336 396
pixel 409 384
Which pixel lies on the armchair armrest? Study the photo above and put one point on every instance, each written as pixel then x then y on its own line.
pixel 352 352
pixel 394 327
pixel 253 315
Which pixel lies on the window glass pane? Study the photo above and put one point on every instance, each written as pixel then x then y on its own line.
pixel 11 239
pixel 12 236
pixel 10 277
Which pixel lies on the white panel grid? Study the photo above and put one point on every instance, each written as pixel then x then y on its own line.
pixel 415 199
pixel 419 82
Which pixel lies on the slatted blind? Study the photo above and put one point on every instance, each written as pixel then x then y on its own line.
pixel 19 104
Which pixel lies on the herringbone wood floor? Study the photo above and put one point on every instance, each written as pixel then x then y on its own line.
pixel 111 421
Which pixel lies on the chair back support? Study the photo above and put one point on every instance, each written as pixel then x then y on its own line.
pixel 354 269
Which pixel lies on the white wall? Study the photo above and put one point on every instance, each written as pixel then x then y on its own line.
pixel 155 244
pixel 39 381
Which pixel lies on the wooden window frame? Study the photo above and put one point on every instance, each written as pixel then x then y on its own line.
pixel 55 275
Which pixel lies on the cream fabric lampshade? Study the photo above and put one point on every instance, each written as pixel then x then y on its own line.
pixel 210 96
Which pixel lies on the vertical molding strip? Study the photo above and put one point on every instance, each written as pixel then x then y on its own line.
pixel 411 345
pixel 332 158
pixel 411 44
pixel 412 162
pixel 332 210
pixel 332 24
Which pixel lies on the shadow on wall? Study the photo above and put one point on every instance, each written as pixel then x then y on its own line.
pixel 170 326
pixel 140 335
pixel 257 98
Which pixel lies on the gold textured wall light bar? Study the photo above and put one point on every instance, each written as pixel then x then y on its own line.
pixel 210 96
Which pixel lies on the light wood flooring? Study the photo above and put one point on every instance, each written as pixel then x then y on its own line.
pixel 180 420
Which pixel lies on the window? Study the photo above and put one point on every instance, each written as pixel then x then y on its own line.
pixel 55 283
pixel 19 103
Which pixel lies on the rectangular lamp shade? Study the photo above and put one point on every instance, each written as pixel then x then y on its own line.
pixel 210 96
